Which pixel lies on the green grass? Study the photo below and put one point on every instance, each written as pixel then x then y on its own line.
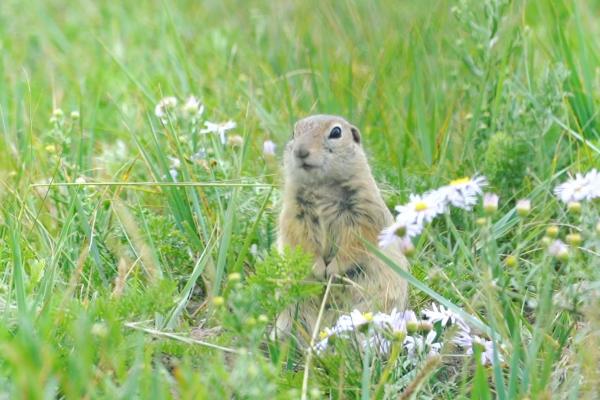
pixel 108 285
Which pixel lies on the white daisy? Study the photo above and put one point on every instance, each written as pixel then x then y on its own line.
pixel 468 342
pixel 582 187
pixel 174 162
pixel 487 355
pixel 463 192
pixel 421 209
pixel 401 232
pixel 417 345
pixel 219 128
pixel 443 315
pixel 269 148
pixel 593 177
pixel 378 342
pixel 193 107
pixel 322 344
pixel 359 318
pixel 164 107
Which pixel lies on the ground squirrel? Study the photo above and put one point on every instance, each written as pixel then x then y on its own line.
pixel 330 200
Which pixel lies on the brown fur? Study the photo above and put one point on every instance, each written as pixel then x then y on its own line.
pixel 330 200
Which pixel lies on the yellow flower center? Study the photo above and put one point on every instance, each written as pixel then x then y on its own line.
pixel 460 181
pixel 420 206
pixel 368 316
pixel 323 335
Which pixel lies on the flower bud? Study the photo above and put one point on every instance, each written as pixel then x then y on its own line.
pixel 74 115
pixel 425 326
pixel 218 301
pixel 490 203
pixel 412 326
pixel 552 231
pixel 235 140
pixel 269 148
pixel 481 221
pixel 574 207
pixel 99 329
pixel 574 239
pixel 523 207
pixel 511 261
pixel 234 277
pixel 263 319
pixel 58 113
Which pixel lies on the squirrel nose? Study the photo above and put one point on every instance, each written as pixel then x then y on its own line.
pixel 301 152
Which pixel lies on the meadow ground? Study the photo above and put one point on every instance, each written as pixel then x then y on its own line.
pixel 147 269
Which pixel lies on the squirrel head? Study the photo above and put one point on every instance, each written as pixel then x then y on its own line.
pixel 324 148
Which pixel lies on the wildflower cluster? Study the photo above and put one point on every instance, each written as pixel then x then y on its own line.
pixel 418 337
pixel 422 209
pixel 189 117
pixel 579 188
pixel 167 110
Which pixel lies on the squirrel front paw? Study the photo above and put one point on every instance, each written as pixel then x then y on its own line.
pixel 319 268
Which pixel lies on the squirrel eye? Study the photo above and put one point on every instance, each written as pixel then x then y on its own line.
pixel 335 133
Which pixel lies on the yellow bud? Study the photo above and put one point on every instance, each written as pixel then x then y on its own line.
pixel 511 261
pixel 234 277
pixel 218 300
pixel 552 231
pixel 546 240
pixel 481 221
pixel 574 207
pixel 262 318
pixel 574 239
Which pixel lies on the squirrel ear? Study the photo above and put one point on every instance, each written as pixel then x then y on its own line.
pixel 355 134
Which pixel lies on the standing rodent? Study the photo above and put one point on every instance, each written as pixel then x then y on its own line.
pixel 330 201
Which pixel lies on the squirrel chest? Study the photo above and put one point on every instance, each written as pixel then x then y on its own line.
pixel 330 212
